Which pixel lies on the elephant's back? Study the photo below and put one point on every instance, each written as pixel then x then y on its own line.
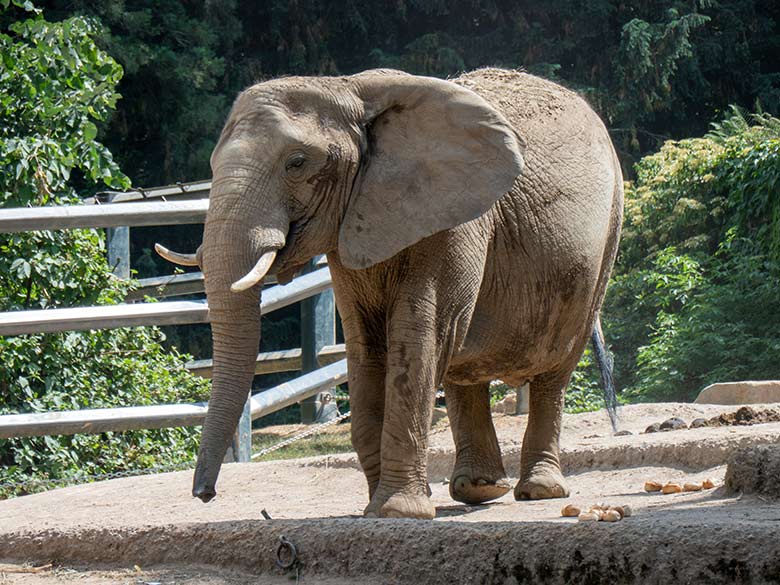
pixel 569 158
pixel 553 234
pixel 520 96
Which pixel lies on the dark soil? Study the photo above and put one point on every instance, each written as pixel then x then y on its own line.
pixel 744 416
pixel 747 415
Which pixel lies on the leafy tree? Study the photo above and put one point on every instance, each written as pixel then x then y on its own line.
pixel 56 85
pixel 654 70
pixel 695 298
pixel 175 100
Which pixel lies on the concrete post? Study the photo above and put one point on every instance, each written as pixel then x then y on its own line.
pixel 118 247
pixel 240 449
pixel 523 399
pixel 318 329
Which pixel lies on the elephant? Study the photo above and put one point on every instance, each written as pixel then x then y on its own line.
pixel 470 226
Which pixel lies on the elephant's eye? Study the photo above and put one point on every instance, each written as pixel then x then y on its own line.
pixel 295 162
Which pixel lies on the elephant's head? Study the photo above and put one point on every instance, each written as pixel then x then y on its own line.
pixel 364 165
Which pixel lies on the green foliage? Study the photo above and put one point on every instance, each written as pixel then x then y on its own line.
pixel 175 95
pixel 694 298
pixel 584 392
pixel 652 69
pixel 648 59
pixel 56 87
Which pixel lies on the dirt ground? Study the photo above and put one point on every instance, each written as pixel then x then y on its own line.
pixel 148 530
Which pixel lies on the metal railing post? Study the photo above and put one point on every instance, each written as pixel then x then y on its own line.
pixel 240 449
pixel 318 329
pixel 118 247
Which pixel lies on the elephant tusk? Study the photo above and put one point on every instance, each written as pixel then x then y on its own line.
pixel 176 258
pixel 256 274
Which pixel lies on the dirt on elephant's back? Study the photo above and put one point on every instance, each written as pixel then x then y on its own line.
pixel 152 523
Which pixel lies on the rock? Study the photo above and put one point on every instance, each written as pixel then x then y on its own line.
pixel 507 405
pixel 698 422
pixel 653 428
pixel 623 433
pixel 673 424
pixel 754 470
pixel 740 393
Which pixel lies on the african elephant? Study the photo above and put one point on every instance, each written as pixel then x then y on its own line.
pixel 470 226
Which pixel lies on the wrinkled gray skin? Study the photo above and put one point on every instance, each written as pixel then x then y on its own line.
pixel 470 227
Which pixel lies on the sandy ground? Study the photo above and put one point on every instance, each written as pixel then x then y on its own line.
pixel 151 523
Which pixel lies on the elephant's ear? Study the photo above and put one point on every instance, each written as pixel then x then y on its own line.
pixel 437 155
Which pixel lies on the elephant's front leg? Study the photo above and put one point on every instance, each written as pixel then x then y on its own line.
pixel 366 357
pixel 367 401
pixel 410 391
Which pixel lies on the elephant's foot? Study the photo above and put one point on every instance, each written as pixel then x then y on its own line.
pixel 544 480
pixel 477 491
pixel 400 505
pixel 408 506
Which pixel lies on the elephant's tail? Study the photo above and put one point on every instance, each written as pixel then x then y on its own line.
pixel 605 363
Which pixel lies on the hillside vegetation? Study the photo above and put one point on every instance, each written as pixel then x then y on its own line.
pixel 93 93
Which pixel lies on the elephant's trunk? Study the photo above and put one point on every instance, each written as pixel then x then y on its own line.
pixel 235 239
pixel 235 350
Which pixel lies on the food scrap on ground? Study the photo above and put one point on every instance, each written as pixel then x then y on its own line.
pixel 672 487
pixel 597 513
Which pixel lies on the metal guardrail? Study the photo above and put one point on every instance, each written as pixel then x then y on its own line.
pixel 176 285
pixel 24 219
pixel 100 420
pixel 138 314
pixel 273 362
pixel 194 190
pixel 172 285
pixel 145 213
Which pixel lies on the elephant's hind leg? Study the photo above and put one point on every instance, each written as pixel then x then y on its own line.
pixel 540 466
pixel 479 474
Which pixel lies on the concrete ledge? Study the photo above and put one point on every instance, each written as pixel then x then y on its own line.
pixel 670 549
pixel 694 449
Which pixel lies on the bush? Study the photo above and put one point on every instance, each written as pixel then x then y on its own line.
pixel 694 298
pixel 56 85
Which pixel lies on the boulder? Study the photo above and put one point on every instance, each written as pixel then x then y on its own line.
pixel 754 470
pixel 759 392
pixel 673 424
pixel 507 405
